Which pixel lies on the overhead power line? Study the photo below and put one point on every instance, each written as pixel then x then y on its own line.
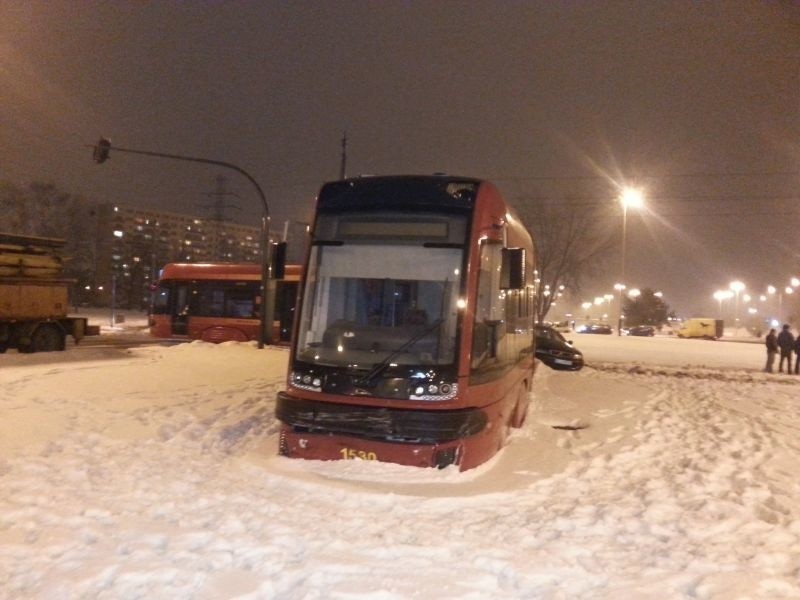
pixel 699 174
pixel 611 200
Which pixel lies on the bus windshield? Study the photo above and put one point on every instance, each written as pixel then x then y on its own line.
pixel 367 303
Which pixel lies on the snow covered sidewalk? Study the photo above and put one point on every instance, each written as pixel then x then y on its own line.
pixel 152 473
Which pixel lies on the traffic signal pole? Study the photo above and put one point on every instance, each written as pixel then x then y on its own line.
pixel 101 153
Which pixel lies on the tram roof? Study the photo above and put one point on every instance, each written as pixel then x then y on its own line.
pixel 398 191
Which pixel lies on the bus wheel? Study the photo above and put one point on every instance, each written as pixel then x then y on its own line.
pixel 47 338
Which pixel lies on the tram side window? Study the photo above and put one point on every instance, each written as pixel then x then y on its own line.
pixel 489 327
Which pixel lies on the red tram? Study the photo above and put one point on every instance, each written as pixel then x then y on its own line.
pixel 414 339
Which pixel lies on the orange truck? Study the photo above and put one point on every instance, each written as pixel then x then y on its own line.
pixel 34 296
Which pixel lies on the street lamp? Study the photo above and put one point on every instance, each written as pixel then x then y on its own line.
pixel 630 197
pixel 586 306
pixel 721 295
pixel 737 287
pixel 620 287
pixel 771 291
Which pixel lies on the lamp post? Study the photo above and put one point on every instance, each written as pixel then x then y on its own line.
pixel 630 197
pixel 586 306
pixel 737 287
pixel 720 296
pixel 101 154
pixel 771 292
pixel 620 287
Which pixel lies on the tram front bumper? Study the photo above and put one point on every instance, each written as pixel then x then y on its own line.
pixel 331 431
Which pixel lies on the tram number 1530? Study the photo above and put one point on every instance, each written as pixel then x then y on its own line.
pixel 353 454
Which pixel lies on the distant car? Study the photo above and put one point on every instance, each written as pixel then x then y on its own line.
pixel 555 351
pixel 562 326
pixel 642 330
pixel 595 328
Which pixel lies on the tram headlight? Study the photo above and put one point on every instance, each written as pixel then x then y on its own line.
pixel 306 381
pixel 433 392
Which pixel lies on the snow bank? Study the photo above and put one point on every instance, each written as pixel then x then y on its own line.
pixel 153 474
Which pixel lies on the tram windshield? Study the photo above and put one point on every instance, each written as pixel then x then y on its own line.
pixel 365 303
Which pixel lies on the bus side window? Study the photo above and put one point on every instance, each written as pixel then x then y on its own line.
pixel 240 302
pixel 161 299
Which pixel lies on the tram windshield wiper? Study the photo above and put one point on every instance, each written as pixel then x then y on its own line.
pixel 379 367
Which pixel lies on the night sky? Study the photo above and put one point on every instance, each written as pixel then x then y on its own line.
pixel 696 103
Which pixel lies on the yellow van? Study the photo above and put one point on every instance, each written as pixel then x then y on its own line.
pixel 710 329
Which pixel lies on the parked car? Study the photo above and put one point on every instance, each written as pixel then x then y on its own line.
pixel 595 328
pixel 643 330
pixel 555 351
pixel 563 326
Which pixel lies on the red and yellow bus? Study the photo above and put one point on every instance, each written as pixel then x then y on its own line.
pixel 219 302
pixel 414 339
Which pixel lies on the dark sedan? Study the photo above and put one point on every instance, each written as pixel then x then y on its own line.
pixel 555 351
pixel 595 328
pixel 642 330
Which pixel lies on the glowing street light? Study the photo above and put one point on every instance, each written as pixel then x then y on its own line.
pixel 632 197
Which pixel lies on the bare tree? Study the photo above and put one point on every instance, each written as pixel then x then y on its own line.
pixel 571 241
pixel 42 209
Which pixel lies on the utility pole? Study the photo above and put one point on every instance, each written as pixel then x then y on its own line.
pixel 343 164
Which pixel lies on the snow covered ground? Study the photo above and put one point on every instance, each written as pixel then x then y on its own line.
pixel 152 473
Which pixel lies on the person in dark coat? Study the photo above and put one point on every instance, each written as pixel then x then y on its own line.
pixel 797 355
pixel 772 350
pixel 786 344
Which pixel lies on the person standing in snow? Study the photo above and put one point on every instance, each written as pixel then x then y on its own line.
pixel 786 344
pixel 797 355
pixel 772 350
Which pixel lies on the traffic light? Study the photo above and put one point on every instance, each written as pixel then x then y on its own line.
pixel 101 150
pixel 278 260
